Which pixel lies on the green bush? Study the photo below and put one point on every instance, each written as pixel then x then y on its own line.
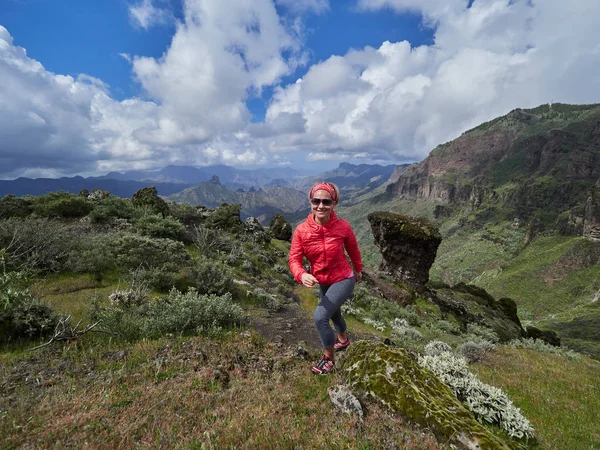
pixel 12 206
pixel 158 226
pixel 385 310
pixel 61 205
pixel 36 244
pixel 110 208
pixel 475 351
pixel 210 242
pixel 148 197
pixel 540 346
pixel 21 315
pixel 212 278
pixel 226 218
pixel 177 313
pixel 132 251
pixel 93 254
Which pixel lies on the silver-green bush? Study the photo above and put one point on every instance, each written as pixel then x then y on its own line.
pixel 475 351
pixel 486 402
pixel 177 313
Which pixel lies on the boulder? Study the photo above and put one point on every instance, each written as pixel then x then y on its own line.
pixel 280 228
pixel 548 336
pixel 343 399
pixel 407 244
pixel 472 304
pixel 393 377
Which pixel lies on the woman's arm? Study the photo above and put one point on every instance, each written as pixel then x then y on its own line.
pixel 295 257
pixel 353 251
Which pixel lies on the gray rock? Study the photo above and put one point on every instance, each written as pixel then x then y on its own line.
pixel 343 399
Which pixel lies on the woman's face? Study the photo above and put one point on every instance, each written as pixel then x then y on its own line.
pixel 321 212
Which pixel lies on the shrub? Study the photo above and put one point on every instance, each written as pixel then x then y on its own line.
pixel 36 244
pixel 264 299
pixel 445 326
pixel 400 328
pixel 227 218
pixel 158 226
pixel 148 197
pixel 22 315
pixel 379 326
pixel 542 347
pixel 12 206
pixel 177 313
pixel 110 208
pixel 132 251
pixel 61 204
pixel 486 402
pixel 384 310
pixel 482 333
pixel 93 254
pixel 212 278
pixel 475 351
pixel 437 347
pixel 210 242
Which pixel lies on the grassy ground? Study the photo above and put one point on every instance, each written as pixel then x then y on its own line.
pixel 238 392
pixel 560 396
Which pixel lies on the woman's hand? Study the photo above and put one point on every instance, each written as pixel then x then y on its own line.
pixel 358 276
pixel 308 280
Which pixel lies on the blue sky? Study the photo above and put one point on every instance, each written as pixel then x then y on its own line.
pixel 93 86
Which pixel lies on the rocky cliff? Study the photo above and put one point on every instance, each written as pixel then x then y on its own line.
pixel 541 163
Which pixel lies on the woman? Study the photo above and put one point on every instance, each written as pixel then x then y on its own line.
pixel 322 238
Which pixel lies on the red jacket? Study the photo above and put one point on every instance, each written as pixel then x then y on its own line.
pixel 323 246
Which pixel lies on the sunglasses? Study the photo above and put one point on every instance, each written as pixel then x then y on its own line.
pixel 326 201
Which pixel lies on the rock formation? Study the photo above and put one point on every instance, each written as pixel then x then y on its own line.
pixel 408 245
pixel 393 377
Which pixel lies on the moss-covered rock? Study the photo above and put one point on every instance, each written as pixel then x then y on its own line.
pixel 472 304
pixel 393 377
pixel 407 244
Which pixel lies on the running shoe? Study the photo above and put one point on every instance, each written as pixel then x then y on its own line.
pixel 323 367
pixel 341 346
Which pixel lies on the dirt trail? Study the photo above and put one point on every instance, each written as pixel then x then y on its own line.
pixel 293 325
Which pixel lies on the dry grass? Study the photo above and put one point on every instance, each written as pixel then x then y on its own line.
pixel 197 393
pixel 560 396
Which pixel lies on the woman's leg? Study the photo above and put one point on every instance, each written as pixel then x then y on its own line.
pixel 332 298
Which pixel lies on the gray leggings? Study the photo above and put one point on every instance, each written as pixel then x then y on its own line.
pixel 332 299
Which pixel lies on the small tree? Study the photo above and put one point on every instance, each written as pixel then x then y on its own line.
pixel 149 197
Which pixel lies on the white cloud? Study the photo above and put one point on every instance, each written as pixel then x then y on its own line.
pixel 393 102
pixel 487 59
pixel 146 15
pixel 220 54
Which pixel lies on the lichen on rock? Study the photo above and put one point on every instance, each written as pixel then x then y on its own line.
pixel 393 377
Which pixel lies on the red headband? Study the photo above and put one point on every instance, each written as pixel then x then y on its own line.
pixel 324 187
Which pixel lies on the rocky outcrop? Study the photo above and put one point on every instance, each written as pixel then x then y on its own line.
pixel 280 228
pixel 408 245
pixel 393 377
pixel 472 304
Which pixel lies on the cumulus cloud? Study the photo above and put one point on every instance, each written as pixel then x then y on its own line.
pixel 146 15
pixel 489 58
pixel 391 102
pixel 221 53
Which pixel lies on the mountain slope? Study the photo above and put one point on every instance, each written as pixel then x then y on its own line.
pixel 532 165
pixel 262 203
